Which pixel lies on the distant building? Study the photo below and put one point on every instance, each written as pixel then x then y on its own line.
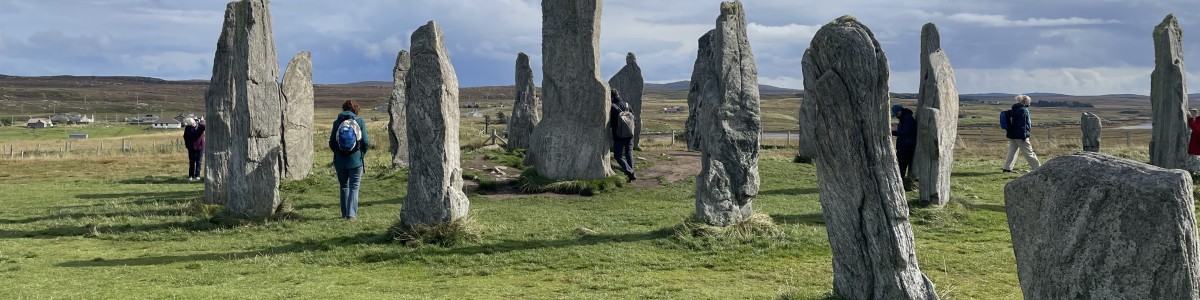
pixel 166 124
pixel 475 114
pixel 182 117
pixel 672 110
pixel 147 119
pixel 72 118
pixel 39 123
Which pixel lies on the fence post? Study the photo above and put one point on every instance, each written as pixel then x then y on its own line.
pixel 981 138
pixel 672 137
pixel 789 139
pixel 1128 138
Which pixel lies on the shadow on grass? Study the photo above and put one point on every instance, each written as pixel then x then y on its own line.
pixel 988 207
pixel 296 247
pixel 62 216
pixel 159 180
pixel 522 245
pixel 334 204
pixel 806 219
pixel 80 231
pixel 176 197
pixel 791 192
pixel 974 174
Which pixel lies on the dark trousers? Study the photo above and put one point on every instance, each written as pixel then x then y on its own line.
pixel 623 152
pixel 904 155
pixel 194 157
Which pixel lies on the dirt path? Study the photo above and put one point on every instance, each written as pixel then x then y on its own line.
pixel 666 167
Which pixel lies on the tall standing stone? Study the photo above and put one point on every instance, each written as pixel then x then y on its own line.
pixel 937 120
pixel 1168 96
pixel 298 118
pixel 730 127
pixel 846 79
pixel 1091 126
pixel 806 138
pixel 630 83
pixel 525 113
pixel 703 76
pixel 218 105
pixel 1093 226
pixel 435 195
pixel 573 140
pixel 397 136
pixel 255 151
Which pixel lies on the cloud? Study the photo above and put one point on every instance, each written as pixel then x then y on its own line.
pixel 170 62
pixel 1003 21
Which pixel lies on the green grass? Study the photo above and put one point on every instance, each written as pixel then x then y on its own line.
pixel 128 227
pixel 533 183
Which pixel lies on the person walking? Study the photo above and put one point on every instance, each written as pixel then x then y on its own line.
pixel 622 141
pixel 349 142
pixel 193 140
pixel 1019 125
pixel 906 142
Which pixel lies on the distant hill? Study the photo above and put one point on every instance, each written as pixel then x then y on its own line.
pixel 366 83
pixel 1193 96
pixel 685 85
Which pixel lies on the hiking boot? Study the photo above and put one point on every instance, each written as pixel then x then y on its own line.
pixel 631 177
pixel 1006 170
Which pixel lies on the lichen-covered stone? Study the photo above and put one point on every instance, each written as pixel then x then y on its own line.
pixel 1093 226
pixel 703 75
pixel 1168 97
pixel 298 118
pixel 218 105
pixel 1091 126
pixel 397 136
pixel 862 199
pixel 526 110
pixel 730 127
pixel 937 120
pixel 573 140
pixel 630 83
pixel 435 195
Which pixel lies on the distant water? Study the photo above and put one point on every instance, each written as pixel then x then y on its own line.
pixel 1144 126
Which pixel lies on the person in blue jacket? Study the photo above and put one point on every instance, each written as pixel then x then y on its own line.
pixel 349 163
pixel 1019 125
pixel 906 142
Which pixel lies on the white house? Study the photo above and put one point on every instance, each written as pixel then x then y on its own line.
pixel 39 123
pixel 166 123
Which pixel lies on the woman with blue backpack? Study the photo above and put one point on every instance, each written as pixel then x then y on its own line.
pixel 1017 124
pixel 348 141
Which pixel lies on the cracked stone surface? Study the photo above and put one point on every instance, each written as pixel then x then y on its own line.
pixel 937 120
pixel 526 110
pixel 703 76
pixel 397 134
pixel 298 118
pixel 1091 126
pixel 1168 96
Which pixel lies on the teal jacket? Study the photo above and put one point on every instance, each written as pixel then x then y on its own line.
pixel 353 160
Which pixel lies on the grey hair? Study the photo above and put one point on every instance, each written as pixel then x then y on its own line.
pixel 189 122
pixel 1024 99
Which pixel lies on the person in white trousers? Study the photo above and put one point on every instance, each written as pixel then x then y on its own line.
pixel 1019 125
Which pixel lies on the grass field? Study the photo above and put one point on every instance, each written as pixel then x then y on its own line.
pixel 122 226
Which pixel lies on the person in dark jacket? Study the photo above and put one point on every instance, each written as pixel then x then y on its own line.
pixel 622 147
pixel 193 140
pixel 1194 140
pixel 906 141
pixel 1019 125
pixel 349 165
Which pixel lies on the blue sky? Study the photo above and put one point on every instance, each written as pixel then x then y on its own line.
pixel 1084 47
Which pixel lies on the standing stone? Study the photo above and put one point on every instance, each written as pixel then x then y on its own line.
pixel 298 118
pixel 846 79
pixel 630 83
pixel 525 113
pixel 1093 226
pixel 396 106
pixel 1168 96
pixel 573 140
pixel 702 77
pixel 937 120
pixel 807 140
pixel 435 195
pixel 218 105
pixel 1091 126
pixel 730 127
pixel 255 151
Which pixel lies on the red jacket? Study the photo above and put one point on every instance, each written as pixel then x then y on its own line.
pixel 1194 142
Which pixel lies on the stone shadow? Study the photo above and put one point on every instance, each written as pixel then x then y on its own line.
pixel 791 192
pixel 296 247
pixel 806 219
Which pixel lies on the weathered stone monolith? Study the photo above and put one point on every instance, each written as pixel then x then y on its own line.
pixel 1091 126
pixel 866 214
pixel 435 195
pixel 527 109
pixel 250 98
pixel 937 120
pixel 730 127
pixel 703 76
pixel 254 162
pixel 218 105
pixel 630 83
pixel 573 140
pixel 397 136
pixel 807 140
pixel 1093 226
pixel 298 118
pixel 1168 96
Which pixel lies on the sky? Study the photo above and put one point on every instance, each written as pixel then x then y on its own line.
pixel 1079 47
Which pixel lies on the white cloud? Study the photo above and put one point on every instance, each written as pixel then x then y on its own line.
pixel 1073 81
pixel 1004 21
pixel 170 62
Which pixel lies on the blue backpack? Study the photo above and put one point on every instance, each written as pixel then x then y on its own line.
pixel 1004 119
pixel 348 134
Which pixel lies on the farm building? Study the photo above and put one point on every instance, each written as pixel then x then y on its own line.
pixel 39 123
pixel 166 124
